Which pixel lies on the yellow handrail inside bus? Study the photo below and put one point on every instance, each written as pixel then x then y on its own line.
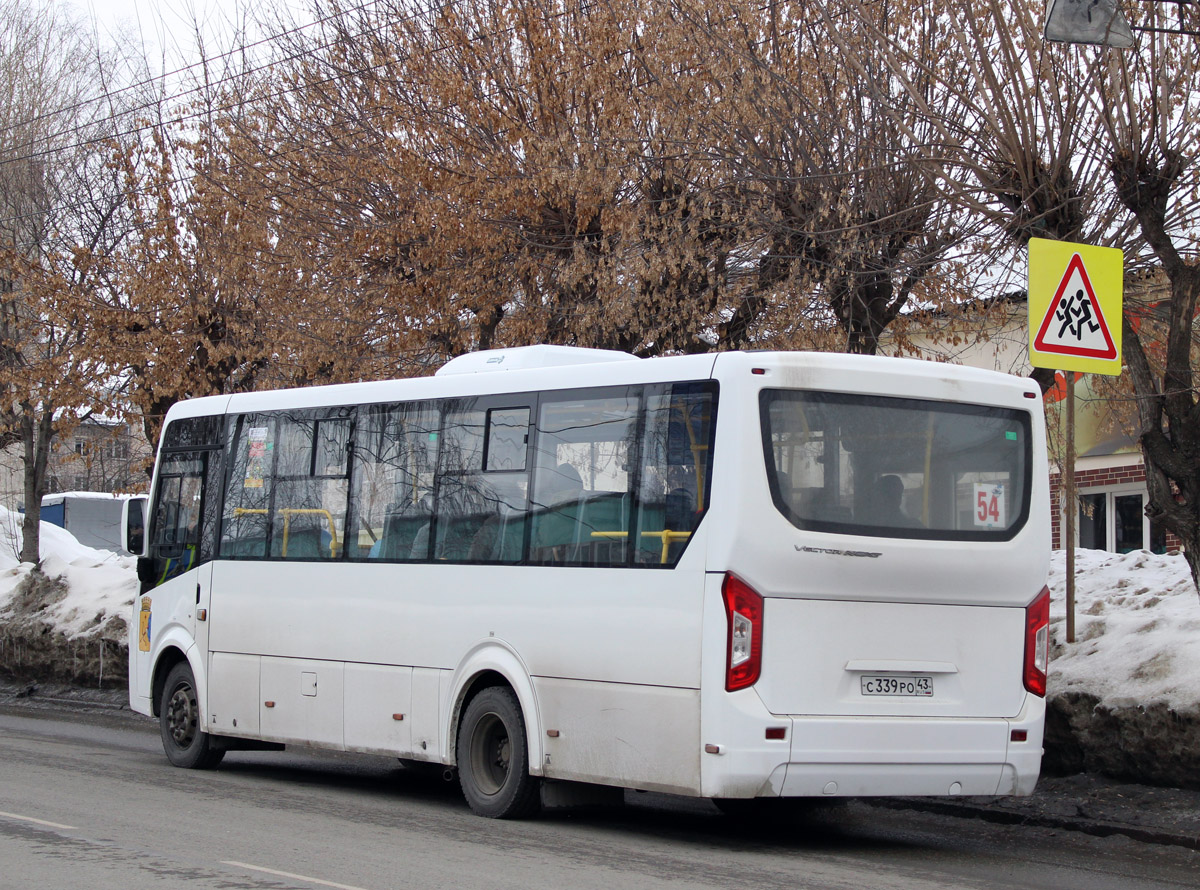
pixel 928 469
pixel 696 448
pixel 667 537
pixel 287 513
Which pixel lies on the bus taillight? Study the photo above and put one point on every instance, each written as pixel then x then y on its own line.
pixel 1037 642
pixel 744 614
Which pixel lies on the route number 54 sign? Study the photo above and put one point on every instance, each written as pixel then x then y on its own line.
pixel 990 510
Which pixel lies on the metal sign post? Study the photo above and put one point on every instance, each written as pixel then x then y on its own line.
pixel 1075 306
pixel 1072 510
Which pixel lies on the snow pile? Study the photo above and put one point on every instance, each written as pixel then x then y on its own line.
pixel 1137 630
pixel 92 587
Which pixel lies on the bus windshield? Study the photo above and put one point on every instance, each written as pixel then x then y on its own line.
pixel 895 467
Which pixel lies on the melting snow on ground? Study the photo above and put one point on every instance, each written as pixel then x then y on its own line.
pixel 1137 629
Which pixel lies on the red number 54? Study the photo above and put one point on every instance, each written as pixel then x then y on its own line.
pixel 987 507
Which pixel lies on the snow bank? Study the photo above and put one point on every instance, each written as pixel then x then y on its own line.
pixel 1137 630
pixel 99 585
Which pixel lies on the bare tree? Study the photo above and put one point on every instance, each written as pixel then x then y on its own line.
pixel 838 188
pixel 1102 146
pixel 215 290
pixel 500 172
pixel 60 209
pixel 651 176
pixel 1151 126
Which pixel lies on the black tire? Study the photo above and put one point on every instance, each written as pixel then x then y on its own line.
pixel 186 743
pixel 493 757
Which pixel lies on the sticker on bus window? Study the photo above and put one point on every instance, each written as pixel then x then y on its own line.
pixel 257 457
pixel 989 505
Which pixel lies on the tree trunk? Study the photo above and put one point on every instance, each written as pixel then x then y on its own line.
pixel 36 437
pixel 1191 552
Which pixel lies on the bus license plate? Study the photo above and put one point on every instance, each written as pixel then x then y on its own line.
pixel 896 684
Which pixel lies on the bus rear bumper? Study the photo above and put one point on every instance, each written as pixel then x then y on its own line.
pixel 885 756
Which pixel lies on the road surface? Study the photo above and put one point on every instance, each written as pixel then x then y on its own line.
pixel 87 799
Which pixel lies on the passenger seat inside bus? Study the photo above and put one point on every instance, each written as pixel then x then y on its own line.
pixel 401 526
pixel 557 531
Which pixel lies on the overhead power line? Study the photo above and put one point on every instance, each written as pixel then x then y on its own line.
pixel 203 64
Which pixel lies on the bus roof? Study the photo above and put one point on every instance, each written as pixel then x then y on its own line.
pixel 539 368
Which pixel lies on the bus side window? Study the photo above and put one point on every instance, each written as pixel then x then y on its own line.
pixel 308 518
pixel 391 504
pixel 582 480
pixel 482 483
pixel 245 523
pixel 176 521
pixel 676 468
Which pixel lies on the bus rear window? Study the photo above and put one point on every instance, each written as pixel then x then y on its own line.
pixel 895 467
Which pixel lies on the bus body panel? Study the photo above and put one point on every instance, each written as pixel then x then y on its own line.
pixel 640 625
pixel 378 709
pixel 303 701
pixel 888 756
pixel 166 617
pixel 233 705
pixel 643 737
pixel 972 657
pixel 734 724
pixel 643 643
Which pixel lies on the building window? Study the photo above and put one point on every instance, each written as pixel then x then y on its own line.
pixel 1116 520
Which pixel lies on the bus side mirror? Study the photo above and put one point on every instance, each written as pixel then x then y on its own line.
pixel 133 526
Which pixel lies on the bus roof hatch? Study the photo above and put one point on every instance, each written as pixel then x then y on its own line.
pixel 522 357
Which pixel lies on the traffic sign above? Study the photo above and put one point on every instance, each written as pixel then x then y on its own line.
pixel 1075 306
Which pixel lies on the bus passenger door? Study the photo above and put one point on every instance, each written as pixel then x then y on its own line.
pixel 176 573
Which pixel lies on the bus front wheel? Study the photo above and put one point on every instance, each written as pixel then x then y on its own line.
pixel 186 744
pixel 493 757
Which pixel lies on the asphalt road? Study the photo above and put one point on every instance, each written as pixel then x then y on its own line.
pixel 88 800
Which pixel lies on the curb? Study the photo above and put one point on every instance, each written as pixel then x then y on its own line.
pixel 1003 816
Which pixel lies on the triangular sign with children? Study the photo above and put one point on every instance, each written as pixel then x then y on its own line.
pixel 1074 323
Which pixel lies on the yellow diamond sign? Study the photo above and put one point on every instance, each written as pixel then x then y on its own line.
pixel 1075 293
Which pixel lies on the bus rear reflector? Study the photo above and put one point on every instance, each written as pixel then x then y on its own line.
pixel 1037 642
pixel 744 616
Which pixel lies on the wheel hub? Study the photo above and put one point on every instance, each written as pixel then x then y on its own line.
pixel 182 716
pixel 491 754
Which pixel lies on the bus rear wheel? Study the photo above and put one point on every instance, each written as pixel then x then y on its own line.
pixel 186 744
pixel 493 757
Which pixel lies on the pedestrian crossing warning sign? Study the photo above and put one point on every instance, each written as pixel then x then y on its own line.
pixel 1075 306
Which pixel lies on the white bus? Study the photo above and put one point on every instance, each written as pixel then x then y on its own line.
pixel 733 576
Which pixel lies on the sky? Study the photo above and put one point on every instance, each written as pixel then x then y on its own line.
pixel 164 24
pixel 1137 614
pixel 168 28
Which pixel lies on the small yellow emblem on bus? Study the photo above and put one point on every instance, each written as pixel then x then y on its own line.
pixel 144 626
